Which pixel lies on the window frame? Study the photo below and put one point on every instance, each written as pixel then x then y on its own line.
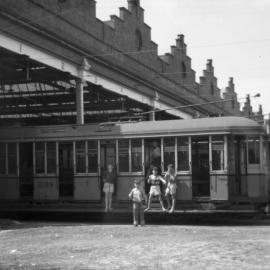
pixel 16 158
pixel 56 158
pixel 76 173
pixel 163 168
pixel 56 173
pixel 45 159
pixel 225 152
pixel 130 172
pixel 187 172
pixel 6 173
pixel 5 158
pixel 142 158
pixel 248 138
pixel 98 158
pixel 129 157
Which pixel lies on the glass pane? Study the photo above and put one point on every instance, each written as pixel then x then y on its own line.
pixel 51 157
pixel 80 157
pixel 12 158
pixel 92 156
pixel 266 153
pixel 2 158
pixel 123 150
pixel 169 152
pixel 136 155
pixel 183 153
pixel 152 152
pixel 254 151
pixel 217 153
pixel 40 157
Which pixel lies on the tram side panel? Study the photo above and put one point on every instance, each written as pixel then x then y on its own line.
pixel 87 188
pixel 184 188
pixel 46 188
pixel 9 188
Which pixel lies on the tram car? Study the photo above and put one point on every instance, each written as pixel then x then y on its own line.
pixel 217 160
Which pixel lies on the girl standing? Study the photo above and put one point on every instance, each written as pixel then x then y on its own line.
pixel 154 180
pixel 170 178
pixel 109 180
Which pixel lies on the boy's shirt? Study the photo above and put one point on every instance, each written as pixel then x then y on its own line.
pixel 137 195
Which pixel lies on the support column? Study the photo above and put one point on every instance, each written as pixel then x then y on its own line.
pixel 79 102
pixel 152 115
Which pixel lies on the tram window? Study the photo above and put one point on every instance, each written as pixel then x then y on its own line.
pixel 266 152
pixel 169 152
pixel 12 158
pixel 136 155
pixel 217 153
pixel 40 157
pixel 2 158
pixel 80 157
pixel 92 156
pixel 183 154
pixel 123 150
pixel 152 152
pixel 51 157
pixel 254 151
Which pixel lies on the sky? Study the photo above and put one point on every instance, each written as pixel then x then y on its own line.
pixel 234 33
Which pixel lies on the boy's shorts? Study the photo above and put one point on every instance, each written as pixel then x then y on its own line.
pixel 155 191
pixel 108 187
pixel 171 189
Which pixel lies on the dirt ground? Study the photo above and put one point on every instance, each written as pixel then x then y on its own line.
pixel 85 246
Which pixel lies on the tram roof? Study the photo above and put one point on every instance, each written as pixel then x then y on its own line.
pixel 201 126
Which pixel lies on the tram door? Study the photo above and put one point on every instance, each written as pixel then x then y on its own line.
pixel 240 149
pixel 107 154
pixel 26 171
pixel 152 158
pixel 200 167
pixel 66 170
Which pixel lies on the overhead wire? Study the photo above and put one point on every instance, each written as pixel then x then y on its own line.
pixel 192 105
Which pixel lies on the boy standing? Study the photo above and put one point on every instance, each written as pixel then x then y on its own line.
pixel 137 195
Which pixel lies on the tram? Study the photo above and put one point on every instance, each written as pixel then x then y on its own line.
pixel 223 159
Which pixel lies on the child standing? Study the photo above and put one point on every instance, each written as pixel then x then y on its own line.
pixel 170 178
pixel 109 179
pixel 137 195
pixel 154 180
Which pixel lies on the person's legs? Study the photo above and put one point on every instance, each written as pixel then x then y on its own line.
pixel 135 214
pixel 149 202
pixel 106 201
pixel 173 203
pixel 110 200
pixel 161 203
pixel 141 212
pixel 167 195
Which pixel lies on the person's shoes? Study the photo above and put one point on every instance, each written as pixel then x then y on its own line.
pixel 135 224
pixel 171 211
pixel 106 209
pixel 164 209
